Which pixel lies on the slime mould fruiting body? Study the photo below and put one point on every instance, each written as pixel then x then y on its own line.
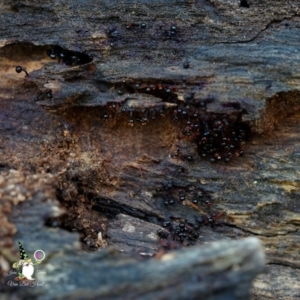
pixel 19 69
pixel 183 233
pixel 70 58
pixel 217 136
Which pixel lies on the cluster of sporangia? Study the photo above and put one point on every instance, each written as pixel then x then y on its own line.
pixel 176 234
pixel 70 58
pixel 183 233
pixel 218 137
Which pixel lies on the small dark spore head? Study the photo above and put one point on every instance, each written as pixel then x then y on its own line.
pixel 19 69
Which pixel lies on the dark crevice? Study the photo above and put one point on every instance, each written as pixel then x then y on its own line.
pixel 282 264
pixel 249 231
pixel 260 32
pixel 69 57
pixel 112 208
pixel 23 51
pixel 12 8
pixel 244 3
pixel 240 228
pixel 4 167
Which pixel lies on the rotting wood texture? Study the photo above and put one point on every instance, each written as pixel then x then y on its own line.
pixel 116 140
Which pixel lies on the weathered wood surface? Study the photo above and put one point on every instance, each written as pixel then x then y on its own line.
pixel 113 178
pixel 223 269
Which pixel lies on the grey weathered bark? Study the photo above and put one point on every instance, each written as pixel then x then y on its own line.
pixel 113 178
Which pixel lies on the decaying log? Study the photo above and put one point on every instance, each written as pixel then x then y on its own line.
pixel 224 269
pixel 218 271
pixel 96 142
